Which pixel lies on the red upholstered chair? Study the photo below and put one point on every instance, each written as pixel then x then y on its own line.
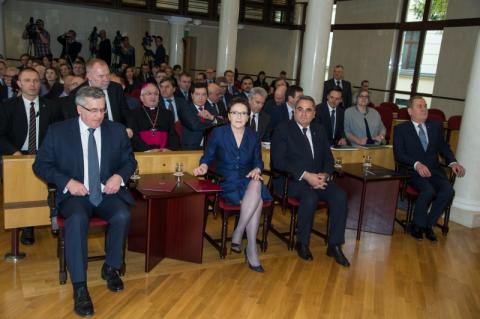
pixel 136 94
pixel 293 204
pixel 394 107
pixel 402 114
pixel 411 194
pixel 436 115
pixel 386 114
pixel 454 122
pixel 58 227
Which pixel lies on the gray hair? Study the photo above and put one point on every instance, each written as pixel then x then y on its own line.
pixel 88 91
pixel 258 90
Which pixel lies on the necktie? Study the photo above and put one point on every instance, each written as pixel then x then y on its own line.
pixel 304 130
pixel 169 105
pixel 332 123
pixel 94 187
pixel 108 107
pixel 253 124
pixel 290 114
pixel 32 130
pixel 423 137
pixel 367 129
pixel 216 108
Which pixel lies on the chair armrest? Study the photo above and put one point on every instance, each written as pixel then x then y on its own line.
pixel 450 174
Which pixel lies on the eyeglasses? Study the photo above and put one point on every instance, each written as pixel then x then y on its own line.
pixel 94 111
pixel 234 113
pixel 302 110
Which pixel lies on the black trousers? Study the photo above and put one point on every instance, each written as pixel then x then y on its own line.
pixel 309 197
pixel 435 190
pixel 77 212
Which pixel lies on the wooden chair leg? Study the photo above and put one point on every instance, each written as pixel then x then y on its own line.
pixel 265 227
pixel 223 247
pixel 293 225
pixel 123 268
pixel 61 250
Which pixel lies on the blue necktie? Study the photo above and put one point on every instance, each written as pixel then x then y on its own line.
pixel 93 170
pixel 423 137
pixel 332 123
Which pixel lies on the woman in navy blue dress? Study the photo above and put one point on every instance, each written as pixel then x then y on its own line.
pixel 235 149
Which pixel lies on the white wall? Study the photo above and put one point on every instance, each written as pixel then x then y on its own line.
pixel 60 18
pixel 367 11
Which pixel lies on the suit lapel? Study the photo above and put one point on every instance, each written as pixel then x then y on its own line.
pixel 77 146
pixel 105 151
pixel 302 138
pixel 413 131
pixel 23 120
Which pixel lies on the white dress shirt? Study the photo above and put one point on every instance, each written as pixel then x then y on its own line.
pixel 84 134
pixel 27 105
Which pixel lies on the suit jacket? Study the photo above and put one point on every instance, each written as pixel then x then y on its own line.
pixel 263 128
pixel 322 116
pixel 346 92
pixel 193 126
pixel 55 91
pixel 178 93
pixel 14 123
pixel 180 104
pixel 279 114
pixel 408 149
pixel 118 104
pixel 222 110
pixel 60 158
pixel 291 153
pixel 165 123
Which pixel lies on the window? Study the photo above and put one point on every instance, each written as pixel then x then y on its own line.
pixel 409 50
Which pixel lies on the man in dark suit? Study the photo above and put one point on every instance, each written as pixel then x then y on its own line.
pixel 23 124
pixel 168 99
pixel 215 102
pixel 90 160
pixel 285 111
pixel 184 86
pixel 221 81
pixel 246 85
pixel 338 80
pixel 98 75
pixel 331 117
pixel 418 144
pixel 301 148
pixel 232 91
pixel 259 120
pixel 195 118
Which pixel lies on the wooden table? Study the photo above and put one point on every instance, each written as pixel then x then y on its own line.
pixel 167 224
pixel 372 197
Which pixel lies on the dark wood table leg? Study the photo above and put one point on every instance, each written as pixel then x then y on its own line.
pixel 362 209
pixel 14 255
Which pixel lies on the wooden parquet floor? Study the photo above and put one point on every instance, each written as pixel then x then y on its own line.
pixel 390 277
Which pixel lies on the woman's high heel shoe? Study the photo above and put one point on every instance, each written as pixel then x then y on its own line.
pixel 258 268
pixel 236 248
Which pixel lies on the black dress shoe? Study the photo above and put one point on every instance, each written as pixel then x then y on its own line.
pixel 82 303
pixel 235 248
pixel 303 251
pixel 110 274
pixel 430 235
pixel 416 232
pixel 27 237
pixel 336 252
pixel 258 268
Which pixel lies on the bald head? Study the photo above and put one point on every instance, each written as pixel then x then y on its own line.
pixel 279 95
pixel 75 82
pixel 214 92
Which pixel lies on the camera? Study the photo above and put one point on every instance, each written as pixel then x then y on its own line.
pixel 31 28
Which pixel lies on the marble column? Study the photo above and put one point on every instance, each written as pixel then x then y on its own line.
pixel 315 47
pixel 2 30
pixel 177 29
pixel 466 204
pixel 227 36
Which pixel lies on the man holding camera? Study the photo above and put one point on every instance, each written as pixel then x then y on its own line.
pixel 39 37
pixel 70 46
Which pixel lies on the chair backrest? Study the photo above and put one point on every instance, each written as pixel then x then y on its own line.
pixel 386 114
pixel 402 114
pixel 454 122
pixel 394 107
pixel 436 115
